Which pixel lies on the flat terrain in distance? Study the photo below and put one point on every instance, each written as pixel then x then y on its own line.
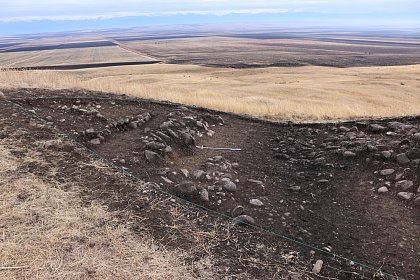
pixel 69 56
pixel 280 93
pixel 280 48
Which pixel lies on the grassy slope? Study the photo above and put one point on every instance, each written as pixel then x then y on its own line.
pixel 304 93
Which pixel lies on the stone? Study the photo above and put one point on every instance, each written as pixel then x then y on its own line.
pixel 386 154
pixel 238 210
pixel 352 135
pixel 186 187
pixel 155 146
pixel 90 131
pixel 317 266
pixel 417 136
pixel 377 128
pixel 404 184
pixel 199 174
pixel 167 124
pixel 166 180
pixel 243 220
pixel 256 202
pixel 49 118
pixel 187 139
pixel 133 125
pixel 185 172
pixel 402 158
pixel 349 154
pixel 405 195
pixel 95 141
pixel 386 172
pixel 2 96
pixel 258 182
pixel 382 190
pixel 204 195
pixel 372 148
pixel 295 188
pixel 413 153
pixel 151 156
pixel 228 185
pixel 417 200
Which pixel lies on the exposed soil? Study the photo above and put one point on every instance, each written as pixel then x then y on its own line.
pixel 318 183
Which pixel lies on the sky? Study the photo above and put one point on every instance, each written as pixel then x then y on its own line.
pixel 27 16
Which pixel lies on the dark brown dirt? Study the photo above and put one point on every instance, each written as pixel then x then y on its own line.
pixel 335 202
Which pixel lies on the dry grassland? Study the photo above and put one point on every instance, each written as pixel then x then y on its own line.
pixel 46 232
pixel 304 93
pixel 74 56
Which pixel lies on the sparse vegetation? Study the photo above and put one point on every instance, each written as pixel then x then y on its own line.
pixel 47 233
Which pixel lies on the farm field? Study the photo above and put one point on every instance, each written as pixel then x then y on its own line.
pixel 69 56
pixel 286 49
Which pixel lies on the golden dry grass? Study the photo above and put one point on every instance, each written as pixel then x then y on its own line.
pixel 305 93
pixel 46 233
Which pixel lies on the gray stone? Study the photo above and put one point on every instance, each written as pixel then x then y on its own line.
pixel 258 182
pixel 256 202
pixel 187 138
pixel 386 154
pixel 386 172
pixel 167 124
pixel 317 266
pixel 185 172
pixel 417 200
pixel 133 125
pixel 402 158
pixel 199 174
pixel 2 96
pixel 349 154
pixel 405 195
pixel 377 128
pixel 295 188
pixel 352 135
pixel 95 141
pixel 155 146
pixel 228 185
pixel 417 136
pixel 186 187
pixel 152 156
pixel 204 195
pixel 382 190
pixel 90 131
pixel 243 220
pixel 413 153
pixel 404 184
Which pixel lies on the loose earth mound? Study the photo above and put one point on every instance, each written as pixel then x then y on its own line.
pixel 350 188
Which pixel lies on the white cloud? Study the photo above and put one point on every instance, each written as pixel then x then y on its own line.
pixel 145 14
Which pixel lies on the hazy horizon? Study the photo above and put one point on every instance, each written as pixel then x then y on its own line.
pixel 27 17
